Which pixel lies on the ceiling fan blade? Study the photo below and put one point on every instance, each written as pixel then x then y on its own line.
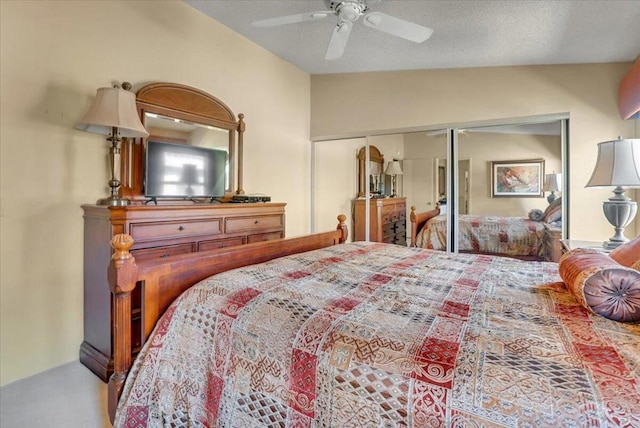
pixel 292 19
pixel 338 40
pixel 397 27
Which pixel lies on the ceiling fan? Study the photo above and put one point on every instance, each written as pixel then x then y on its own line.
pixel 349 12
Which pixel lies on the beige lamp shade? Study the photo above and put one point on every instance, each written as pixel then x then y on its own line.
pixel 618 164
pixel 393 168
pixel 113 108
pixel 552 182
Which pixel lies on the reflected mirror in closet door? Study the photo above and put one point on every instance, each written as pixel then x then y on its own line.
pixel 376 171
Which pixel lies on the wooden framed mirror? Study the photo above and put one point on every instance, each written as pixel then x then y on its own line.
pixel 181 114
pixel 376 171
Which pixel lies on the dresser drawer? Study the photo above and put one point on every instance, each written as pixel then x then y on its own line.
pixel 393 213
pixel 388 229
pixel 168 230
pixel 400 240
pixel 260 237
pixel 162 252
pixel 248 224
pixel 221 243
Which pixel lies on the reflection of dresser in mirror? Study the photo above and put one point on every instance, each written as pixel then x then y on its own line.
pixel 387 215
pixel 387 223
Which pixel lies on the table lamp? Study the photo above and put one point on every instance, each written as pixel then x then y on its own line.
pixel 552 183
pixel 114 113
pixel 393 169
pixel 618 166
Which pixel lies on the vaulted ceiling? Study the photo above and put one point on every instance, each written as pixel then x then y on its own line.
pixel 474 33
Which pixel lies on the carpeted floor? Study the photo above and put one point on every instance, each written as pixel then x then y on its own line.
pixel 68 396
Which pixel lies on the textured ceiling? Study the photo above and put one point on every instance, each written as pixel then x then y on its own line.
pixel 475 33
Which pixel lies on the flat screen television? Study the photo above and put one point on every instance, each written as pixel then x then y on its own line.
pixel 184 171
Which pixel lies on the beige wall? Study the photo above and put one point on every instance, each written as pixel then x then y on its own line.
pixel 55 54
pixel 336 181
pixel 483 148
pixel 369 102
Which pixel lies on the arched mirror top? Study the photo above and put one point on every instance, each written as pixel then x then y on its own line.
pixel 376 170
pixel 175 100
pixel 177 113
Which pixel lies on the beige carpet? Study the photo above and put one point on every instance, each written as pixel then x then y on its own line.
pixel 68 396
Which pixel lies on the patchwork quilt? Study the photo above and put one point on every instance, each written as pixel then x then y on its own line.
pixel 512 236
pixel 377 335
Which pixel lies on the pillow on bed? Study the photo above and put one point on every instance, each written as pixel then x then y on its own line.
pixel 601 284
pixel 553 213
pixel 536 215
pixel 628 254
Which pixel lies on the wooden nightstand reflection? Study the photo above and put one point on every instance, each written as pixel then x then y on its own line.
pixel 570 244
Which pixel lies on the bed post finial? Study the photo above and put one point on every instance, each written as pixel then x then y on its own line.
pixel 123 273
pixel 343 228
pixel 121 243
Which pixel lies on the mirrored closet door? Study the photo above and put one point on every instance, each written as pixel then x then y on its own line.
pixel 496 172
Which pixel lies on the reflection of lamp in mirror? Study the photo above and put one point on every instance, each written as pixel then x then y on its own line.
pixel 618 166
pixel 552 183
pixel 393 169
pixel 114 113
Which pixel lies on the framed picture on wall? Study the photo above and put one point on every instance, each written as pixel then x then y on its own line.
pixel 520 178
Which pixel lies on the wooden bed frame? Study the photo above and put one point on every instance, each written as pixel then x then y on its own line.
pixel 553 246
pixel 163 281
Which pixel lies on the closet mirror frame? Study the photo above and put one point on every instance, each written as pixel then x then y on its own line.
pixel 182 102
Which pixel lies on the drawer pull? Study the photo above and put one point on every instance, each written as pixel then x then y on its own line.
pixel 181 228
pixel 164 256
pixel 256 222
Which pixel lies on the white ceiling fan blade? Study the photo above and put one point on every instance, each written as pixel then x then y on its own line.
pixel 338 40
pixel 397 27
pixel 292 19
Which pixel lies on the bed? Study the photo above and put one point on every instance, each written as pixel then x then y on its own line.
pixel 518 237
pixel 368 335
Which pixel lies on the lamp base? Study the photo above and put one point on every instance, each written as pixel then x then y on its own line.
pixel 114 202
pixel 551 197
pixel 619 211
pixel 612 245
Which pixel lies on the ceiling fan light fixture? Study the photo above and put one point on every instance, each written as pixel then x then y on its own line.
pixel 350 10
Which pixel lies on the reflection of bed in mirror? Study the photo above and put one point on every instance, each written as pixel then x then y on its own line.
pixel 518 237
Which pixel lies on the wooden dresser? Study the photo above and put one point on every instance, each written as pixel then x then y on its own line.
pixel 159 232
pixel 388 221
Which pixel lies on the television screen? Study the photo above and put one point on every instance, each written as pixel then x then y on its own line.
pixel 184 171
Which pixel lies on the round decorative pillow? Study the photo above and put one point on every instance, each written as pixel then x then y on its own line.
pixel 536 215
pixel 601 284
